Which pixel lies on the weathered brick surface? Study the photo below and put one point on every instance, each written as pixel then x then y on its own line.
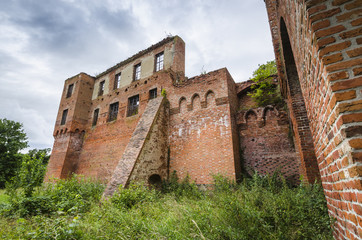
pixel 141 143
pixel 326 59
pixel 267 144
pixel 197 133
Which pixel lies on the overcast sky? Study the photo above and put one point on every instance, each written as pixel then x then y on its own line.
pixel 44 42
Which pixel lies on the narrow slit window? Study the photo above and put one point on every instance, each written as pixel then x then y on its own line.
pixel 101 88
pixel 153 93
pixel 137 72
pixel 95 117
pixel 117 81
pixel 64 117
pixel 133 103
pixel 113 111
pixel 70 90
pixel 159 62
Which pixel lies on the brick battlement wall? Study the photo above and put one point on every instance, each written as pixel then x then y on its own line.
pixel 318 50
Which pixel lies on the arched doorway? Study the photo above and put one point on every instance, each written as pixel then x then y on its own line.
pixel 298 112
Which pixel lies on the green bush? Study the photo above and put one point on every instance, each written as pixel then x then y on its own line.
pixel 258 208
pixel 136 193
pixel 72 196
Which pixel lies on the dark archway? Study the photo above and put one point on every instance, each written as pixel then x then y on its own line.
pixel 155 180
pixel 298 112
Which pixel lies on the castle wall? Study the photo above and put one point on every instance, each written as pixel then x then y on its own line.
pixel 146 153
pixel 267 144
pixel 201 140
pixel 318 52
pixel 104 144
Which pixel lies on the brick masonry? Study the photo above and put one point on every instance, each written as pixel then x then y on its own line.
pixel 205 125
pixel 317 45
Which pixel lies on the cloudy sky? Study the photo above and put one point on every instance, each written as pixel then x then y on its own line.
pixel 43 42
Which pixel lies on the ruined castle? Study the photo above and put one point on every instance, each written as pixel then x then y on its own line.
pixel 142 119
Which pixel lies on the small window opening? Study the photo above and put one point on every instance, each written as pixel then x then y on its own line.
pixel 137 72
pixel 153 93
pixel 159 62
pixel 113 111
pixel 133 103
pixel 64 117
pixel 95 117
pixel 155 180
pixel 70 90
pixel 101 88
pixel 117 81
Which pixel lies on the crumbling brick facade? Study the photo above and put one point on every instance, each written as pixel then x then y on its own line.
pixel 318 50
pixel 117 127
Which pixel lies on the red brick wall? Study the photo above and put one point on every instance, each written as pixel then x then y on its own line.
pixel 201 134
pixel 267 143
pixel 319 49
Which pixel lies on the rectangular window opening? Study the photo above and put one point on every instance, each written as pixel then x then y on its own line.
pixel 64 117
pixel 101 88
pixel 133 103
pixel 137 72
pixel 70 90
pixel 152 94
pixel 159 62
pixel 95 117
pixel 113 111
pixel 117 81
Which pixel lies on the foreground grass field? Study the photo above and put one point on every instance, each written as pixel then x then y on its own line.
pixel 258 208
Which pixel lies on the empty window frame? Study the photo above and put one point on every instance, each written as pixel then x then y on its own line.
pixel 95 117
pixel 113 111
pixel 152 93
pixel 137 72
pixel 64 117
pixel 133 103
pixel 159 62
pixel 101 88
pixel 70 90
pixel 117 81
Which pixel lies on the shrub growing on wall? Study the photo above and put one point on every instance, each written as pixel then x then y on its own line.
pixel 264 91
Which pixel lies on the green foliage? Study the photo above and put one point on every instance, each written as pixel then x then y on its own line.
pixel 71 196
pixel 12 140
pixel 264 91
pixel 136 193
pixel 163 93
pixel 182 188
pixel 257 208
pixel 31 172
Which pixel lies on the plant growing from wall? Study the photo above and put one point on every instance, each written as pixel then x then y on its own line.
pixel 264 91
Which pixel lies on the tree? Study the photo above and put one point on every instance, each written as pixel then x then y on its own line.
pixel 32 170
pixel 264 91
pixel 12 140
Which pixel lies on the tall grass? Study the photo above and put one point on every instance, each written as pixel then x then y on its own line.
pixel 258 208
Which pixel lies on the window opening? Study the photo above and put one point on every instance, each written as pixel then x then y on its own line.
pixel 70 90
pixel 95 117
pixel 153 93
pixel 159 62
pixel 64 117
pixel 117 81
pixel 101 88
pixel 113 111
pixel 137 72
pixel 133 103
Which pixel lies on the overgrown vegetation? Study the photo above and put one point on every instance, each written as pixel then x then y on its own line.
pixel 16 168
pixel 257 208
pixel 264 91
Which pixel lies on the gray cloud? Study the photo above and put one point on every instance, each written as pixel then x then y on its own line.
pixel 43 42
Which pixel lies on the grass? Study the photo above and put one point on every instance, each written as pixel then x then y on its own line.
pixel 258 208
pixel 3 197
